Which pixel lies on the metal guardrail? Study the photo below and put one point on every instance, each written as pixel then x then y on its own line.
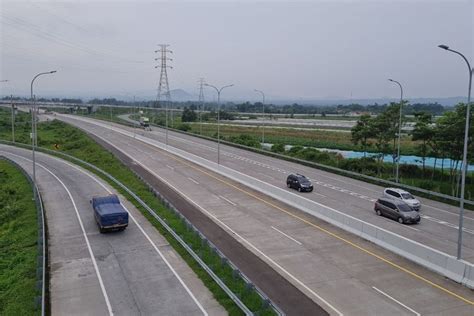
pixel 41 242
pixel 236 272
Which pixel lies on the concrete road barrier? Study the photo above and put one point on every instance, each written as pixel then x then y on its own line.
pixel 458 270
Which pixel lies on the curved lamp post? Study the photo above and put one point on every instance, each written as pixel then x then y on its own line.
pixel 464 155
pixel 218 116
pixel 33 125
pixel 399 129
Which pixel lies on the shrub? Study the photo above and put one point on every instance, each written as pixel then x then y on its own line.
pixel 184 127
pixel 278 148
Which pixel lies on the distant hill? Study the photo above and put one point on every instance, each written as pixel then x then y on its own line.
pixel 181 96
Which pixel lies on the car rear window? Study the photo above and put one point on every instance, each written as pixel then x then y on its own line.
pixel 393 193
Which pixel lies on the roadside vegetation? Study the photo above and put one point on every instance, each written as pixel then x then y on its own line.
pixel 374 135
pixel 18 243
pixel 62 137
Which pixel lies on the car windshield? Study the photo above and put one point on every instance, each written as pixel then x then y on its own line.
pixel 404 208
pixel 303 180
pixel 407 196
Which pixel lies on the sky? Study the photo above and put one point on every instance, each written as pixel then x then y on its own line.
pixel 288 49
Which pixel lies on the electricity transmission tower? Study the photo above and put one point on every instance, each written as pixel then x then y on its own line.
pixel 201 102
pixel 163 93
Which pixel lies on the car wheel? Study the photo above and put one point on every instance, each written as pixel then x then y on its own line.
pixel 400 220
pixel 288 185
pixel 378 212
pixel 299 189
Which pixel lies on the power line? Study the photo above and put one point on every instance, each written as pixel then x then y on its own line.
pixel 37 31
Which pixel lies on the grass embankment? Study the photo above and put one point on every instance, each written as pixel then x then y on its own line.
pixel 18 243
pixel 74 142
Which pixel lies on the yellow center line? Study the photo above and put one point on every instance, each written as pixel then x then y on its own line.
pixel 393 264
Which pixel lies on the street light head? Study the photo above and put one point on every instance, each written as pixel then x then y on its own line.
pixel 446 47
pixel 52 72
pixel 390 80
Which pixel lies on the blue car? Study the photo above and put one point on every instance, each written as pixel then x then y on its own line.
pixel 109 213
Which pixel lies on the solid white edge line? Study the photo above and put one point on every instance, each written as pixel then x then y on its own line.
pixel 296 241
pixel 149 239
pixel 243 158
pixel 141 229
pixel 232 231
pixel 253 161
pixel 156 144
pixel 91 253
pixel 396 301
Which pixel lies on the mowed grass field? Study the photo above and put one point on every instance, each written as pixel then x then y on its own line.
pixel 18 243
pixel 289 136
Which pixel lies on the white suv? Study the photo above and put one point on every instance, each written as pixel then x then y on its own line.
pixel 405 196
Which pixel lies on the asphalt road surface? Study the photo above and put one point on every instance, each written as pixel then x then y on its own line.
pixel 134 272
pixel 342 273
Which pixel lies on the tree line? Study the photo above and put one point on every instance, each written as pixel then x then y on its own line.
pixel 439 138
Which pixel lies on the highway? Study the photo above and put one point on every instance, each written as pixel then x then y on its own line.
pixel 439 226
pixel 134 272
pixel 342 273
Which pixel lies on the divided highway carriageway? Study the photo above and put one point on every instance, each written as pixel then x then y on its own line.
pixel 344 274
pixel 134 272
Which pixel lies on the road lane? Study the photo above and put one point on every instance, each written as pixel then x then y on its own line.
pixel 356 198
pixel 134 268
pixel 343 272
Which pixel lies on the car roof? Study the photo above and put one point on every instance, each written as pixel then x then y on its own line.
pixel 297 175
pixel 397 190
pixel 391 200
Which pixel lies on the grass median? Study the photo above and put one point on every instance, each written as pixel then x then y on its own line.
pixel 18 243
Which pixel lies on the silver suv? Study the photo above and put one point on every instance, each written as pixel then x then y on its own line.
pixel 404 196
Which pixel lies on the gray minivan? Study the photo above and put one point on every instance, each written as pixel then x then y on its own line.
pixel 397 210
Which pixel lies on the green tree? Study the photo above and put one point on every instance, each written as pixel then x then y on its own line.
pixel 450 130
pixel 188 115
pixel 423 132
pixel 362 131
pixel 382 134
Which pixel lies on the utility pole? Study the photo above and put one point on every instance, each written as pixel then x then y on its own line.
pixel 201 102
pixel 163 86
pixel 13 119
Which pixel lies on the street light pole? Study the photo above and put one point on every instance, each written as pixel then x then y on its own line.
pixel 218 118
pixel 13 119
pixel 464 155
pixel 263 114
pixel 399 130
pixel 33 125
